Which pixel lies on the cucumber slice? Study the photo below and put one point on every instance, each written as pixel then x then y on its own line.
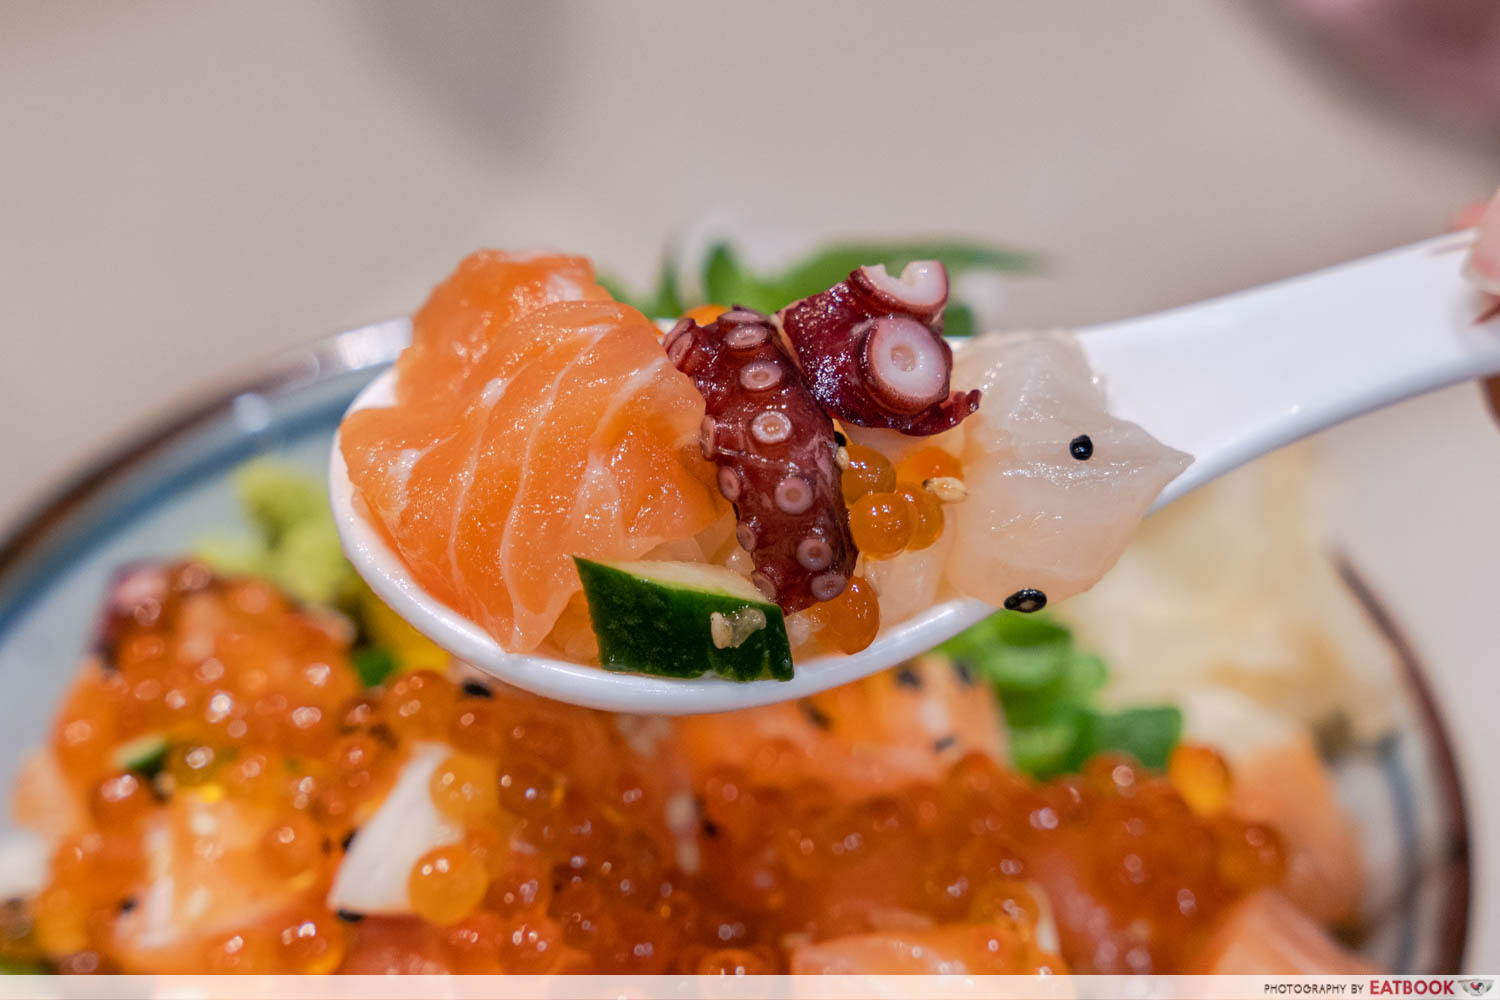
pixel 144 755
pixel 678 619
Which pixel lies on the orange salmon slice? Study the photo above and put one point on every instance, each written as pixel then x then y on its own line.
pixel 948 949
pixel 536 419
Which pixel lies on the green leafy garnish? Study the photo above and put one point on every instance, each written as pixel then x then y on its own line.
pixel 664 301
pixel 1147 733
pixel 374 664
pixel 1047 688
pixel 727 280
pixel 833 264
pixel 16 967
pixel 1045 748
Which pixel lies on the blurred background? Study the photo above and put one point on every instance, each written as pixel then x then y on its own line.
pixel 188 188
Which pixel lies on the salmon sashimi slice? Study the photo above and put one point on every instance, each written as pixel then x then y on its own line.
pixel 526 433
pixel 206 876
pixel 459 325
pixel 950 949
pixel 874 736
pixel 1290 788
pixel 1265 935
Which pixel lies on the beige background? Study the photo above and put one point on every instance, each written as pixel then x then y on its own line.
pixel 188 187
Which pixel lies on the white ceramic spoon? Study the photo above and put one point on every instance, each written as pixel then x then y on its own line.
pixel 1224 380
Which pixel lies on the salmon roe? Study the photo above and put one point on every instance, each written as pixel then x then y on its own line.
pixel 926 515
pixel 705 314
pixel 590 842
pixel 847 623
pixel 464 788
pixel 446 884
pixel 929 463
pixel 311 944
pixel 887 517
pixel 1201 777
pixel 867 471
pixel 882 524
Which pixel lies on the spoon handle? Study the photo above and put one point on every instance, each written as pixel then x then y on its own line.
pixel 1235 377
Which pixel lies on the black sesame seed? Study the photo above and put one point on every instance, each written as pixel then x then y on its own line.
pixel 965 673
pixel 815 715
pixel 1081 448
pixel 128 903
pixel 348 839
pixel 474 689
pixel 349 916
pixel 1026 601
pixel 710 828
pixel 946 743
pixel 907 677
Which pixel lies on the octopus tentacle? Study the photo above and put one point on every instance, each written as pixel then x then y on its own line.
pixel 873 352
pixel 774 447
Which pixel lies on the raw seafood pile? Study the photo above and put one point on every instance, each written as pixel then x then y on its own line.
pixel 220 793
pixel 538 422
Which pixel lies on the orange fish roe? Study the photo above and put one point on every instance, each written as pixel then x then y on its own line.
pixel 1201 777
pixel 447 884
pixel 926 512
pixel 882 524
pixel 868 471
pixel 887 516
pixel 705 314
pixel 591 842
pixel 929 463
pixel 847 623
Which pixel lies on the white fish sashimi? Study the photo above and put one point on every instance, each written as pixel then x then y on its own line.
pixel 1036 516
pixel 911 581
pixel 25 864
pixel 372 878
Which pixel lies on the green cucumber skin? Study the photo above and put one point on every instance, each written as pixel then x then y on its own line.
pixel 145 755
pixel 661 630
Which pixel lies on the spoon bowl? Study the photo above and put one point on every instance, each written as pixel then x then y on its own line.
pixel 1225 380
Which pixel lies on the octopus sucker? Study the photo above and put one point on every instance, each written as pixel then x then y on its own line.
pixel 873 352
pixel 774 446
pixel 921 289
